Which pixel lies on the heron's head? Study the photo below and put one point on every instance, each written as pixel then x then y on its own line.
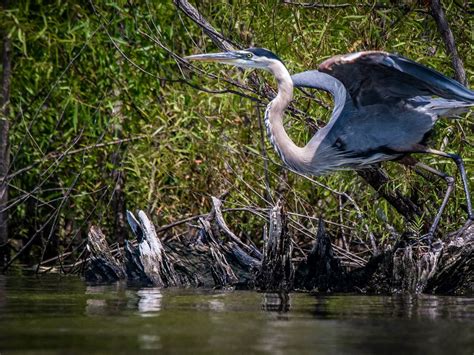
pixel 248 58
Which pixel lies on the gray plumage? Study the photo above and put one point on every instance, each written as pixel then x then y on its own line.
pixel 384 113
pixel 383 109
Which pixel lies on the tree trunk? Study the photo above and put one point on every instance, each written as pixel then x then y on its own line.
pixel 4 146
pixel 448 38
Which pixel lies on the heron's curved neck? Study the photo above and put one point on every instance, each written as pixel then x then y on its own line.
pixel 290 153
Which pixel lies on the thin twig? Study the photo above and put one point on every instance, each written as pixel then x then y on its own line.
pixel 264 155
pixel 315 5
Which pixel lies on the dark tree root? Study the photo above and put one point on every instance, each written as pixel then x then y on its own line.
pixel 445 268
pixel 217 258
pixel 321 271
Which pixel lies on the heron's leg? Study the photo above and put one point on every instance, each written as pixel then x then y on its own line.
pixel 460 164
pixel 450 182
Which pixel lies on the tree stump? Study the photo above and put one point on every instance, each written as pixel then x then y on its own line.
pixel 102 266
pixel 276 273
pixel 216 258
pixel 321 270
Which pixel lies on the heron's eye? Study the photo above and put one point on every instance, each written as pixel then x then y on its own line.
pixel 249 55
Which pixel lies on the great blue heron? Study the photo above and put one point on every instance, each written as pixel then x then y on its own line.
pixel 383 110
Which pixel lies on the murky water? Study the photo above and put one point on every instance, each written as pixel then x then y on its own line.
pixel 64 315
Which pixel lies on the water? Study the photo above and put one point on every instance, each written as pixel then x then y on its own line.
pixel 53 314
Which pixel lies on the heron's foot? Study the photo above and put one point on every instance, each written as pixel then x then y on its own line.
pixel 427 238
pixel 435 245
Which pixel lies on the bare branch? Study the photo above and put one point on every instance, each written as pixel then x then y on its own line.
pixel 448 38
pixel 218 39
pixel 315 5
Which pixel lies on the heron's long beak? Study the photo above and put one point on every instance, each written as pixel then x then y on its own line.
pixel 224 57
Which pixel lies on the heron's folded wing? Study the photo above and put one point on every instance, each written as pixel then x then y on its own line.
pixel 375 77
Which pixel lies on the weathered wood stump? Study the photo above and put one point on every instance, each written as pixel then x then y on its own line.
pixel 455 269
pixel 102 266
pixel 216 258
pixel 149 261
pixel 321 271
pixel 445 268
pixel 277 271
pixel 207 261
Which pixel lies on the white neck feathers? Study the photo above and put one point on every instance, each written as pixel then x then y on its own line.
pixel 290 153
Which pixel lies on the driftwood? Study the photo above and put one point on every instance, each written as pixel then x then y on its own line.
pixel 215 257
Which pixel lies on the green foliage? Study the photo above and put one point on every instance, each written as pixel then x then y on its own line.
pixel 87 76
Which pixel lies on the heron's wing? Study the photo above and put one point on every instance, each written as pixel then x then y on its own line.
pixel 374 77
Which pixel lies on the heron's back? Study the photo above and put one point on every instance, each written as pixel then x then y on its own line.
pixel 369 134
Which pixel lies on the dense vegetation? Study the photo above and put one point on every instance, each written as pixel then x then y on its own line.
pixel 104 116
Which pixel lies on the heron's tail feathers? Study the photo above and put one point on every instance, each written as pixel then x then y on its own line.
pixel 440 107
pixel 449 108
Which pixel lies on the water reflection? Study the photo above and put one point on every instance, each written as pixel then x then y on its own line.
pixel 105 299
pixel 276 302
pixel 95 306
pixel 217 305
pixel 102 289
pixel 65 316
pixel 149 303
pixel 403 306
pixel 149 341
pixel 430 307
